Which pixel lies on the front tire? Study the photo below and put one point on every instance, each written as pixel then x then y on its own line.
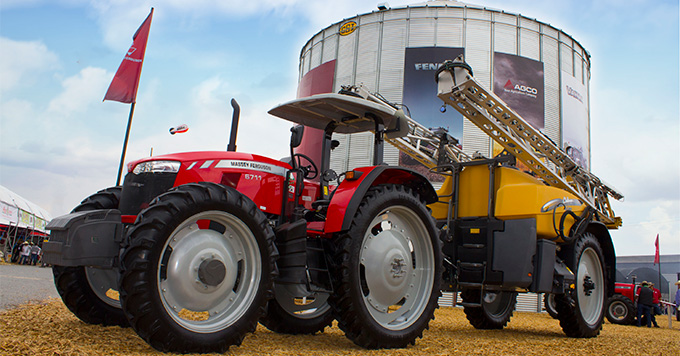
pixel 387 270
pixel 620 310
pixel 581 311
pixel 496 309
pixel 549 304
pixel 197 269
pixel 89 292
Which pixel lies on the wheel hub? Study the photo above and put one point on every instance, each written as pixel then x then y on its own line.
pixel 588 285
pixel 212 272
pixel 387 262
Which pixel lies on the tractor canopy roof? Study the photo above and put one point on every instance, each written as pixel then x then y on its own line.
pixel 349 113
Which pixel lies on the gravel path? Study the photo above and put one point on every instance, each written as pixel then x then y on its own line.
pixel 22 284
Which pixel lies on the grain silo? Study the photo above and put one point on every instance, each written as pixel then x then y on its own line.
pixel 539 70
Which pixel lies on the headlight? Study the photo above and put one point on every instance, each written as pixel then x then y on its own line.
pixel 157 167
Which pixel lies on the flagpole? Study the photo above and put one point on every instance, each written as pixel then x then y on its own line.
pixel 127 135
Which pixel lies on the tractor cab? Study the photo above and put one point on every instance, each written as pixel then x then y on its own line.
pixel 345 112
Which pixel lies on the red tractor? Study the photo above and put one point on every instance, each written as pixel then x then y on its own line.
pixel 197 244
pixel 621 306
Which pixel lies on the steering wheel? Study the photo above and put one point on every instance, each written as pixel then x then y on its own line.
pixel 309 171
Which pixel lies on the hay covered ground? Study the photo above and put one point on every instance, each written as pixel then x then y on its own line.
pixel 50 329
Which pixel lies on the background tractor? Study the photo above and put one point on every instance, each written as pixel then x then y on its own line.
pixel 202 246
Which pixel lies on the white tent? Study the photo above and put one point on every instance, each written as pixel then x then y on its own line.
pixel 17 211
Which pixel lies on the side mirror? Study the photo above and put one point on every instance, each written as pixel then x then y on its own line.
pixel 296 135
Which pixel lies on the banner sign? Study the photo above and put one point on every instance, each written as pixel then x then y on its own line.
pixel 519 82
pixel 575 139
pixel 8 213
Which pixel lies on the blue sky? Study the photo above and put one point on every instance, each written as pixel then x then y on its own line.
pixel 60 143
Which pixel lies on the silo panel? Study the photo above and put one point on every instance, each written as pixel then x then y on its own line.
pixel 449 33
pixel 330 48
pixel 391 72
pixel 305 64
pixel 421 33
pixel 317 52
pixel 478 50
pixel 423 12
pixel 478 14
pixel 369 18
pixel 395 14
pixel 367 55
pixel 549 31
pixel 474 139
pixel 339 154
pixel 530 44
pixel 391 155
pixel 566 58
pixel 529 24
pixel 505 18
pixel 505 38
pixel 451 12
pixel 346 57
pixel 361 152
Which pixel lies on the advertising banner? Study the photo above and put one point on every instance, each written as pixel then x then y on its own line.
pixel 420 96
pixel 519 82
pixel 575 120
pixel 8 213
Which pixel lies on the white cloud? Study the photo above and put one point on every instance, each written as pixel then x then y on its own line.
pixel 21 62
pixel 83 89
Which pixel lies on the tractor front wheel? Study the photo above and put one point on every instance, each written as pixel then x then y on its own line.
pixel 197 269
pixel 387 269
pixel 91 293
pixel 620 310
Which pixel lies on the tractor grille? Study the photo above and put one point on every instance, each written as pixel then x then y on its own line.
pixel 140 189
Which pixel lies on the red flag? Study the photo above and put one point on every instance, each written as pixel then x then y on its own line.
pixel 123 87
pixel 656 255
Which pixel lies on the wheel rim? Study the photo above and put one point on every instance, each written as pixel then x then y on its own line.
pixel 497 304
pixel 297 301
pixel 590 286
pixel 209 272
pixel 397 265
pixel 101 281
pixel 618 310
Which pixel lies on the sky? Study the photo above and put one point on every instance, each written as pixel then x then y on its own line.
pixel 59 142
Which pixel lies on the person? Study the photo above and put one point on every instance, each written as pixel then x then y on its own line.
pixel 35 252
pixel 677 301
pixel 25 253
pixel 644 307
pixel 656 309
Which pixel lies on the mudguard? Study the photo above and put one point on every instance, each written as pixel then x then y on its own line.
pixel 349 194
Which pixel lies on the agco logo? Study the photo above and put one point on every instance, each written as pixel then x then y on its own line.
pixel 520 88
pixel 347 28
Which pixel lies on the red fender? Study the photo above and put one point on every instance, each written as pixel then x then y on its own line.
pixel 349 194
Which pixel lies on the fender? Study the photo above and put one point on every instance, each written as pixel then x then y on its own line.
pixel 349 194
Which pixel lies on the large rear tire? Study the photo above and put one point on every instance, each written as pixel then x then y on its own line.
pixel 620 310
pixel 581 311
pixel 294 310
pixel 496 309
pixel 88 292
pixel 197 269
pixel 387 269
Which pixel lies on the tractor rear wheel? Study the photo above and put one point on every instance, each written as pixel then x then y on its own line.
pixel 197 269
pixel 91 293
pixel 496 309
pixel 581 310
pixel 387 269
pixel 295 310
pixel 620 310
